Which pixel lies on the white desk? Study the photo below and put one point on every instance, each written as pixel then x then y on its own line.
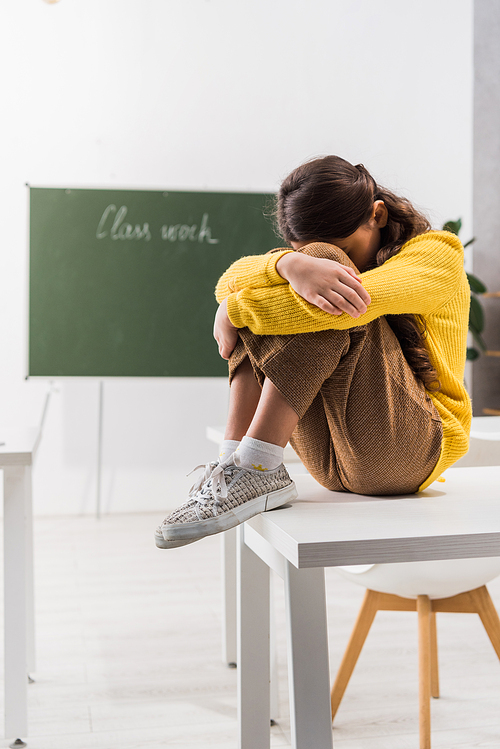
pixel 484 450
pixel 456 519
pixel 16 457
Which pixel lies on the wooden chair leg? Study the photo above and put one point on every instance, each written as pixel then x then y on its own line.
pixel 424 656
pixel 474 601
pixel 489 617
pixel 361 628
pixel 434 658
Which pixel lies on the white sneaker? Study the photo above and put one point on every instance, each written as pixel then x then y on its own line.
pixel 229 496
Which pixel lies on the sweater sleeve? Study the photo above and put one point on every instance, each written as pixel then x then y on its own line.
pixel 420 279
pixel 254 271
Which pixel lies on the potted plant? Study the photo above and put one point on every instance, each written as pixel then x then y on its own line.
pixel 476 312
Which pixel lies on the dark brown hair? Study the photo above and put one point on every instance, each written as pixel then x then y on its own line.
pixel 329 198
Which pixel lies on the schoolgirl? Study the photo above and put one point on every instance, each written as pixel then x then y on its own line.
pixel 351 345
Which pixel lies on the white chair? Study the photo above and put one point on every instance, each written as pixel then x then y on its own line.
pixel 484 445
pixel 457 585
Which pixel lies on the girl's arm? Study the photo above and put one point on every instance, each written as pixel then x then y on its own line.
pixel 255 271
pixel 419 280
pixel 329 285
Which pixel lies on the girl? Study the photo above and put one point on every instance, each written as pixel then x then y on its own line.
pixel 362 373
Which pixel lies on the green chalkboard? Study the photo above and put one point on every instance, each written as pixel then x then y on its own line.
pixel 122 281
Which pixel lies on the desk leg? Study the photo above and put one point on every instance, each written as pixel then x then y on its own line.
pixel 228 541
pixel 275 704
pixel 17 487
pixel 253 649
pixel 30 585
pixel 309 677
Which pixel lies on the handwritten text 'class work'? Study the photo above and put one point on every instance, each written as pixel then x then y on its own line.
pixel 112 224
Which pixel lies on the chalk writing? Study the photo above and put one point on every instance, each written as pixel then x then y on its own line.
pixel 186 232
pixel 178 232
pixel 119 228
pixel 112 224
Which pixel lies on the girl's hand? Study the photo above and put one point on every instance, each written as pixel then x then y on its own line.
pixel 225 333
pixel 332 287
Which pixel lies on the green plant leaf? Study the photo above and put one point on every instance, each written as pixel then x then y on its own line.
pixel 476 316
pixel 476 313
pixel 472 354
pixel 478 339
pixel 475 284
pixel 453 226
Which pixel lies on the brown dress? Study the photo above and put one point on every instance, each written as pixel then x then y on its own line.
pixel 366 424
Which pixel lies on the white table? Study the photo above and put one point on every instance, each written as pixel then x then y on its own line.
pixel 456 519
pixel 484 450
pixel 16 457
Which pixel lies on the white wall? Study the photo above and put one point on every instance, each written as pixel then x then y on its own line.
pixel 222 94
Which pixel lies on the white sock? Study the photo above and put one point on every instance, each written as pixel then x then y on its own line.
pixel 227 448
pixel 263 456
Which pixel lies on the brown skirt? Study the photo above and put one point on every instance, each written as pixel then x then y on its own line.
pixel 366 424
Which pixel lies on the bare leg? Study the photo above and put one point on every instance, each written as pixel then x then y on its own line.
pixel 274 419
pixel 243 401
pixel 262 414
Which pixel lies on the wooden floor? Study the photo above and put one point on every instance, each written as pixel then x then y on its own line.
pixel 129 652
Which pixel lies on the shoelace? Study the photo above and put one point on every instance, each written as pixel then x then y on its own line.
pixel 207 472
pixel 215 488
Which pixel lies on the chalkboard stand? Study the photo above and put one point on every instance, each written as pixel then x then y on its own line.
pixel 53 389
pixel 99 448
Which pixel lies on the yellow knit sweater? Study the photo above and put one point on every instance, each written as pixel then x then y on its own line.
pixel 425 278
